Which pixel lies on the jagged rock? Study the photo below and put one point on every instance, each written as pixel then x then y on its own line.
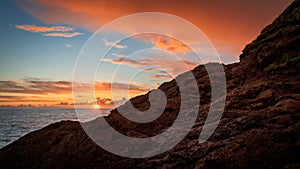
pixel 260 127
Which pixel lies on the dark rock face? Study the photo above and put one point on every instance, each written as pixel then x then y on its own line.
pixel 260 127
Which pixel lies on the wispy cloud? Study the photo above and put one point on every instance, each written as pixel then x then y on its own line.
pixel 35 87
pixel 54 31
pixel 159 76
pixel 38 99
pixel 172 66
pixel 135 88
pixel 119 55
pixel 167 43
pixel 34 28
pixel 63 34
pixel 114 44
pixel 32 91
pixel 61 87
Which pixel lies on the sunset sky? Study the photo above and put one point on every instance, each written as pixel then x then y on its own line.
pixel 41 40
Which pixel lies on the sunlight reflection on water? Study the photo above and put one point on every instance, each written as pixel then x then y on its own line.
pixel 16 122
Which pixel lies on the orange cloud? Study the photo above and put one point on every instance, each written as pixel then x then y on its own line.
pixel 168 43
pixel 229 24
pixel 55 31
pixel 38 92
pixel 160 76
pixel 63 34
pixel 135 88
pixel 107 102
pixel 38 99
pixel 104 101
pixel 34 28
pixel 60 87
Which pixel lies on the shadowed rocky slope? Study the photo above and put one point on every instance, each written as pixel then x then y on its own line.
pixel 260 127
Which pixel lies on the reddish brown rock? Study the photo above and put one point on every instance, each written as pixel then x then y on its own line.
pixel 260 127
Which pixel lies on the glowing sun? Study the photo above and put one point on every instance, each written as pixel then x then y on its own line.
pixel 96 106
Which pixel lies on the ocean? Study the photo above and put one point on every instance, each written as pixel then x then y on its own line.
pixel 16 122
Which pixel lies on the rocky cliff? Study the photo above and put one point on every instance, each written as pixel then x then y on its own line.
pixel 260 127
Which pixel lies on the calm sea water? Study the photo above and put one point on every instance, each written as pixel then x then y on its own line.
pixel 16 122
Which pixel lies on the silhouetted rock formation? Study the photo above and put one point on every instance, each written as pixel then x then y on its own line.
pixel 260 127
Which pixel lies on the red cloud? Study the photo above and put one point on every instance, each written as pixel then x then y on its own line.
pixel 229 24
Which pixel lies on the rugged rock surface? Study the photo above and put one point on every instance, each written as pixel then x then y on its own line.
pixel 260 127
